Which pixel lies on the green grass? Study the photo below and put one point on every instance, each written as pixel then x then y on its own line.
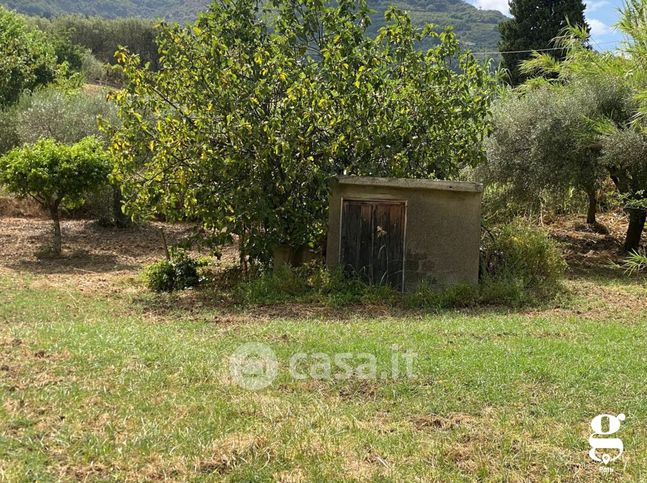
pixel 106 387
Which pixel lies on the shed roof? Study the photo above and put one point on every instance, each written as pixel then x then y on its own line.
pixel 408 183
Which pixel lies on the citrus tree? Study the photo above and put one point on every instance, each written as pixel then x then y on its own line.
pixel 255 109
pixel 55 175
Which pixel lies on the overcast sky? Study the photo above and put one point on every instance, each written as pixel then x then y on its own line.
pixel 601 15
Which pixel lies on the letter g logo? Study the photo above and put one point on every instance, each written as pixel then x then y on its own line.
pixel 603 443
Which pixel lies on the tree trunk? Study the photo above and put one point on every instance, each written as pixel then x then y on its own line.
pixel 165 243
pixel 593 208
pixel 121 220
pixel 56 220
pixel 635 230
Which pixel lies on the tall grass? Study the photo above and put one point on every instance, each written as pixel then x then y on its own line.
pixel 635 262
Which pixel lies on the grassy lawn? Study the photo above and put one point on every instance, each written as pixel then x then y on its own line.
pixel 121 385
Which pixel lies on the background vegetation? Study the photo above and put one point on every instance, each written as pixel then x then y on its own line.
pixel 253 114
pixel 476 28
pixel 101 379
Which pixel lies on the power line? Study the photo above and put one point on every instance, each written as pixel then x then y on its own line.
pixel 534 50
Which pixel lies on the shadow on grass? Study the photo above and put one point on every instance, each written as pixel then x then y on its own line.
pixel 79 261
pixel 211 304
pixel 608 273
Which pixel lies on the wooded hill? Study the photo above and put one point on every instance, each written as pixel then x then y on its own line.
pixel 477 28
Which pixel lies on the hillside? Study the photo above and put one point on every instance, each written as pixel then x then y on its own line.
pixel 477 28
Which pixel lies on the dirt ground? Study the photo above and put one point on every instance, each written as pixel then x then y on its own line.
pixel 99 259
pixel 91 248
pixel 585 246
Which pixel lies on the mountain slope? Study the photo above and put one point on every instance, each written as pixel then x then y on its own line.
pixel 477 28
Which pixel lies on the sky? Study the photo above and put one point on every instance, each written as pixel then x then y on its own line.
pixel 601 15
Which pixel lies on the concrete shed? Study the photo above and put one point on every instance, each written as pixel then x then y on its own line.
pixel 400 232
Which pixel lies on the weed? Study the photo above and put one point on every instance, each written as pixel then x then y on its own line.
pixel 178 273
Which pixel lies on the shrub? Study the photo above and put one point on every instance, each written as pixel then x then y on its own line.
pixel 521 257
pixel 28 58
pixel 520 262
pixel 160 276
pixel 635 262
pixel 178 273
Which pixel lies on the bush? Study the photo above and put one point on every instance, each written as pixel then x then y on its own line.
pixel 520 263
pixel 520 257
pixel 178 273
pixel 635 262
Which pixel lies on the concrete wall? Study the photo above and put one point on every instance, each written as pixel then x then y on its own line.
pixel 442 235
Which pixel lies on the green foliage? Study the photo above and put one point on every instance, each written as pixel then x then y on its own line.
pixel 314 284
pixel 475 27
pixel 160 276
pixel 178 273
pixel 625 156
pixel 67 52
pixel 520 256
pixel 633 23
pixel 275 286
pixel 27 59
pixel 635 262
pixel 102 37
pixel 305 284
pixel 516 278
pixel 8 130
pixel 545 140
pixel 614 130
pixel 170 9
pixel 251 115
pixel 506 292
pixel 64 115
pixel 534 25
pixel 55 174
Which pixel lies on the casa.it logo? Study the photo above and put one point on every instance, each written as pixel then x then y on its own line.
pixel 604 448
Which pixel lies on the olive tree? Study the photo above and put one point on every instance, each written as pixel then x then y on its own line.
pixel 65 115
pixel 625 155
pixel 255 108
pixel 545 137
pixel 626 152
pixel 55 174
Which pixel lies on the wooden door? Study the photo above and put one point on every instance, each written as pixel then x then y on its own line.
pixel 372 241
